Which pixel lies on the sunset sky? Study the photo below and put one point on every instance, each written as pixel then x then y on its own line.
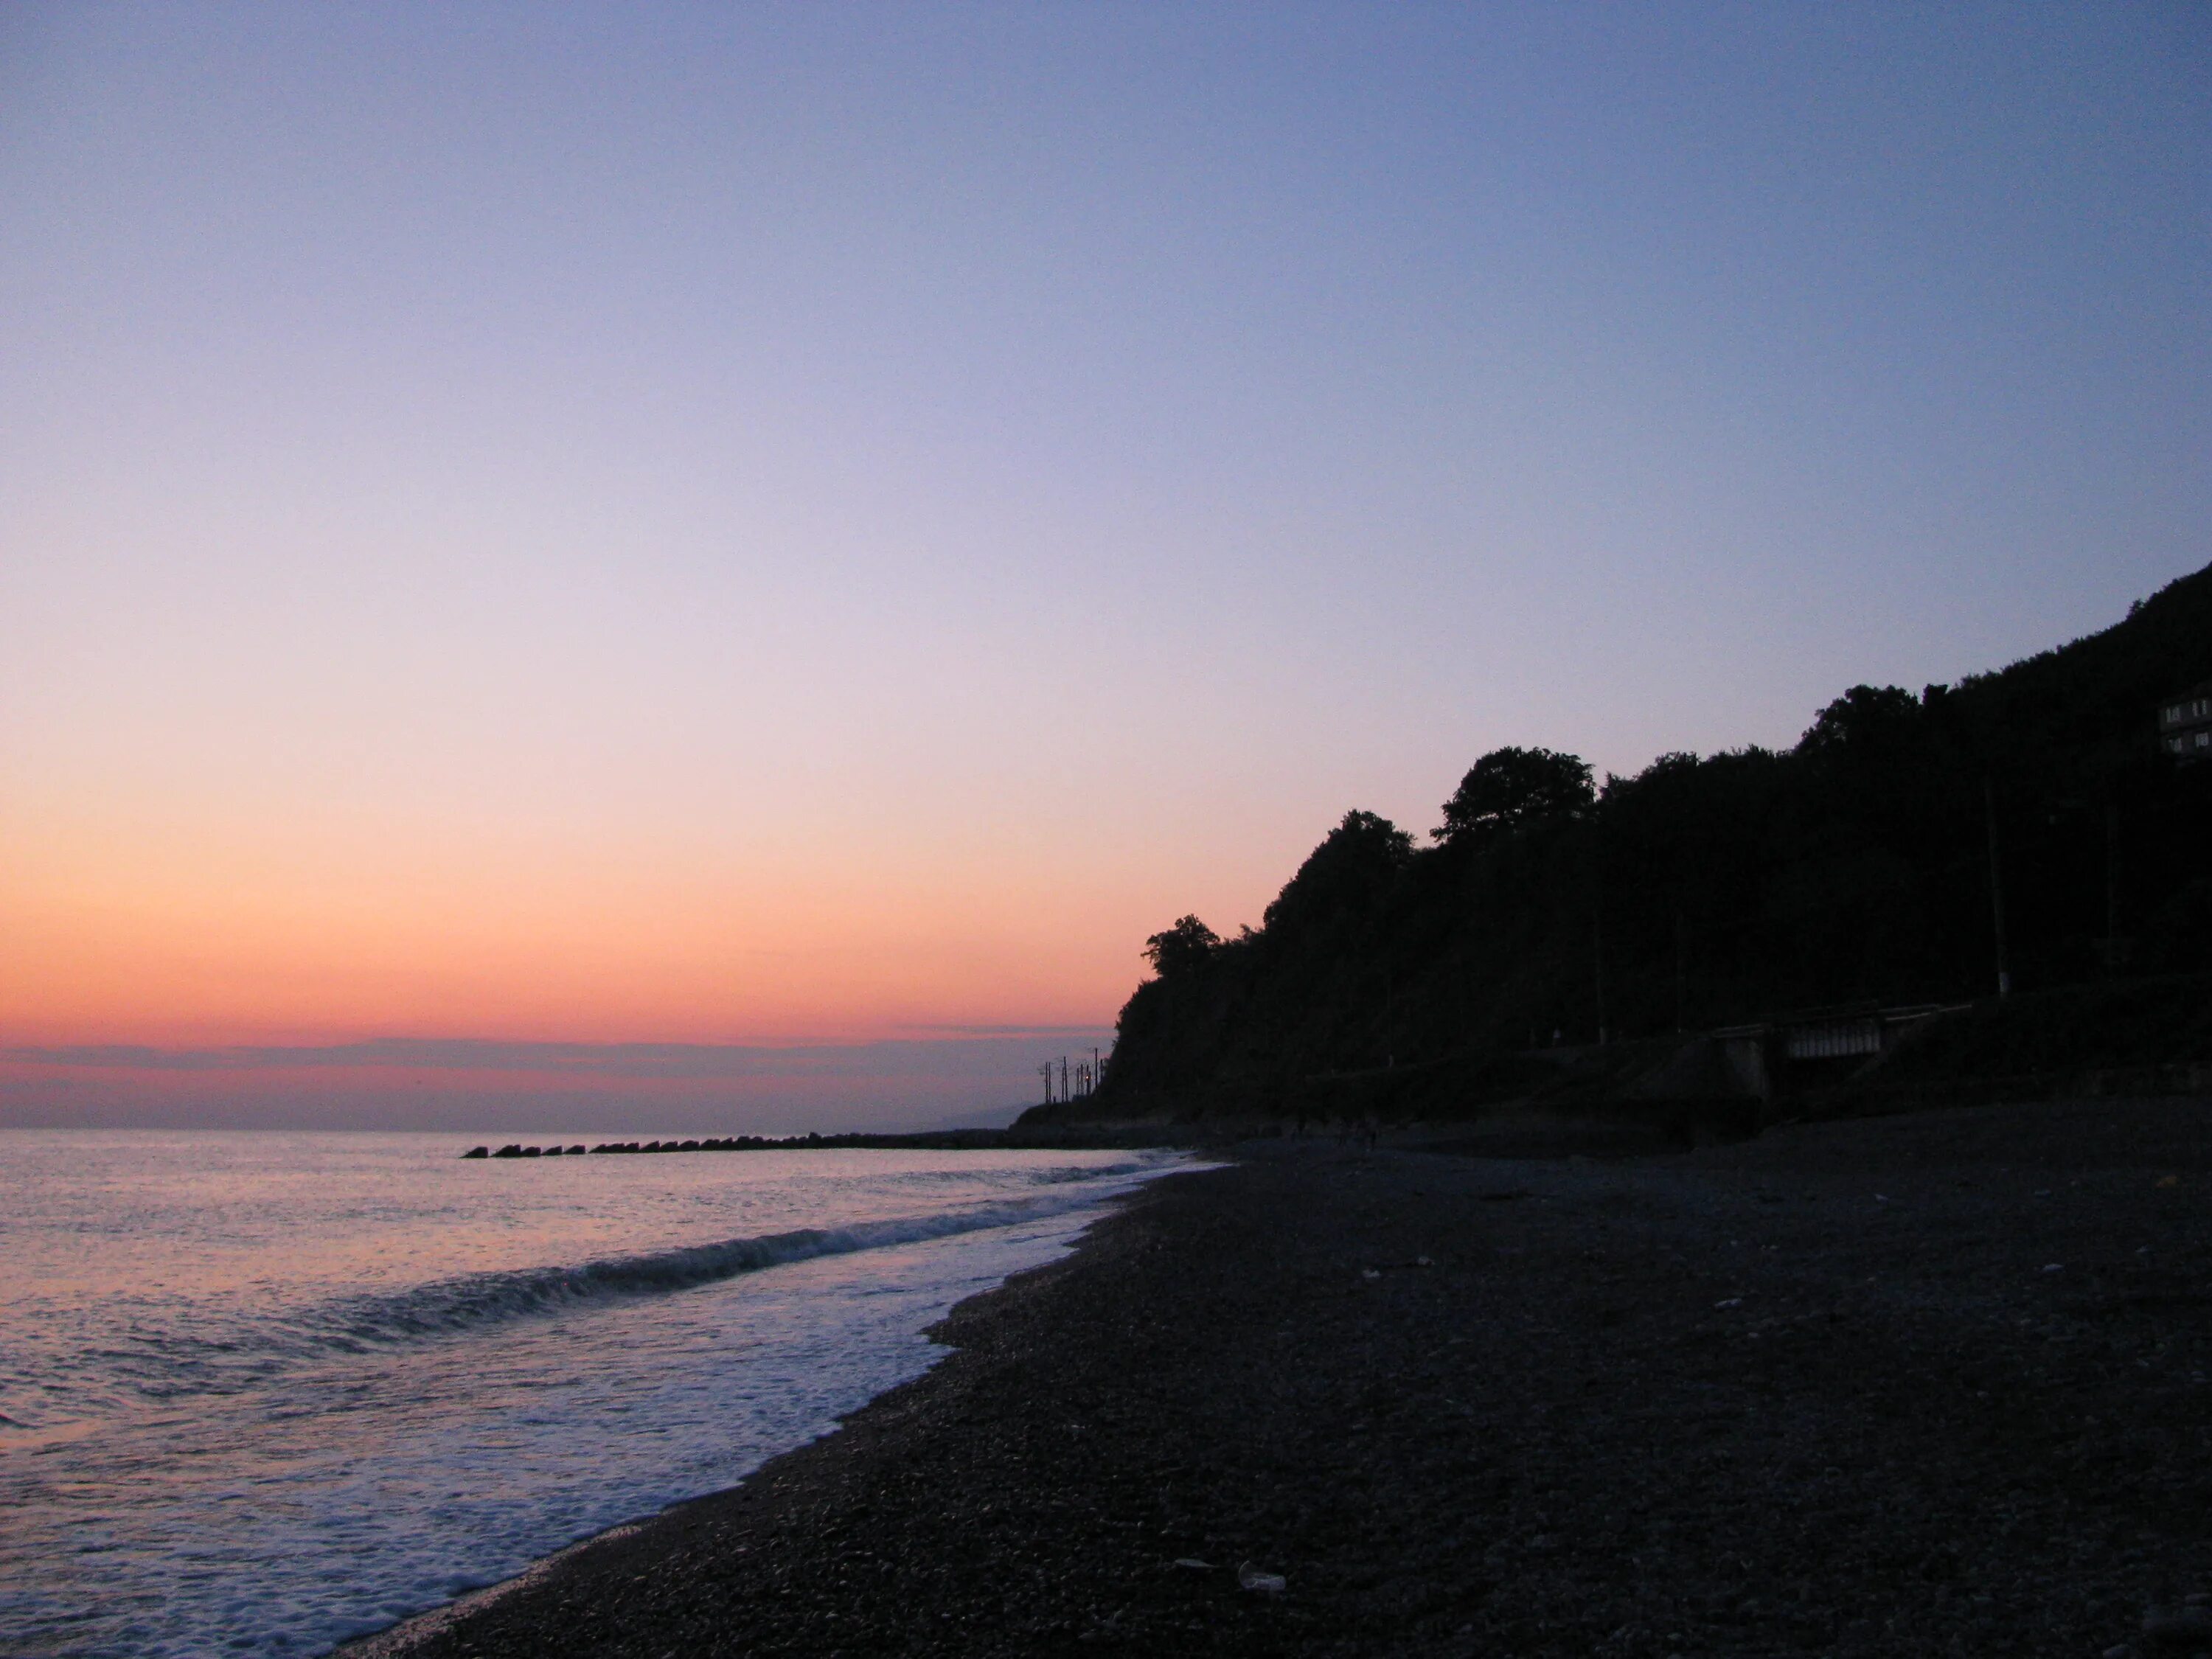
pixel 792 538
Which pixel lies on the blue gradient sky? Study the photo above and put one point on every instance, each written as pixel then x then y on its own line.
pixel 810 525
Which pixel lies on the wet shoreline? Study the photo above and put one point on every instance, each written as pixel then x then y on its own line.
pixel 1930 1383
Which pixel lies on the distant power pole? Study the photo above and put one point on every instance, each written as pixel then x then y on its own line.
pixel 1597 929
pixel 2112 888
pixel 1681 974
pixel 1064 1095
pixel 1597 965
pixel 1094 1069
pixel 1997 889
pixel 1045 1072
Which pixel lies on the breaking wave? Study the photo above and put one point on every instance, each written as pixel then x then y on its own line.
pixel 446 1307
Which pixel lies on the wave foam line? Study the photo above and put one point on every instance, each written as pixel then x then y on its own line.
pixel 446 1306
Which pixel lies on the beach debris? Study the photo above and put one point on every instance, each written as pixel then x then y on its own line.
pixel 2187 1627
pixel 2054 1267
pixel 1380 1268
pixel 1265 1583
pixel 2169 1181
pixel 1192 1564
pixel 1730 1302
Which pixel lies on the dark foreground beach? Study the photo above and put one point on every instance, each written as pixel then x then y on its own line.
pixel 1928 1384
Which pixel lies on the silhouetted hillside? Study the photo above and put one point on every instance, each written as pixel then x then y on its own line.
pixel 1706 892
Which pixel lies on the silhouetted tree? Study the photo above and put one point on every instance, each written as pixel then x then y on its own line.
pixel 1732 887
pixel 1181 949
pixel 1343 880
pixel 1865 717
pixel 1509 788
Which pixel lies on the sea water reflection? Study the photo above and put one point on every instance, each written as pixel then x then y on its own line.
pixel 216 1449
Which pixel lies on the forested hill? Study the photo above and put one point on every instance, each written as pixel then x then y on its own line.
pixel 1706 892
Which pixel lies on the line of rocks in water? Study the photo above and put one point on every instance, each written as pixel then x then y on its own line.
pixel 726 1144
pixel 1051 1137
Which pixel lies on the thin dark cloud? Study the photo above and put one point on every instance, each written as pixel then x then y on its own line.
pixel 973 1047
pixel 1086 1032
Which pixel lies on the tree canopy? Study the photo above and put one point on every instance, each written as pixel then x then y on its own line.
pixel 1509 788
pixel 1348 875
pixel 1854 868
pixel 1177 951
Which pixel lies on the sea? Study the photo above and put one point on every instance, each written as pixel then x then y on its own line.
pixel 264 1392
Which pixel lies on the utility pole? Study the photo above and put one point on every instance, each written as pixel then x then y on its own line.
pixel 1997 889
pixel 1094 1068
pixel 1681 973
pixel 1597 965
pixel 1597 926
pixel 1045 1072
pixel 1063 1077
pixel 2111 889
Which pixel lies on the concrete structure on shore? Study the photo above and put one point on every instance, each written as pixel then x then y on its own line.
pixel 2185 723
pixel 1752 1055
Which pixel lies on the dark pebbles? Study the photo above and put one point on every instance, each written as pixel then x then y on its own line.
pixel 1923 1385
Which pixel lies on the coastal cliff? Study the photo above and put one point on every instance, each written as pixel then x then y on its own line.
pixel 1908 851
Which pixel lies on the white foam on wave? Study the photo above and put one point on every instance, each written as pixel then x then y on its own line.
pixel 480 1421
pixel 452 1306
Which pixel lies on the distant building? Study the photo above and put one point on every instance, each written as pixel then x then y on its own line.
pixel 2184 725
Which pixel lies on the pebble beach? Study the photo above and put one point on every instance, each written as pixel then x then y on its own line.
pixel 1932 1384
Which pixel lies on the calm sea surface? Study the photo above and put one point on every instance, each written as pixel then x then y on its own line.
pixel 261 1392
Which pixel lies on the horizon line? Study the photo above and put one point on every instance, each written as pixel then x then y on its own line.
pixel 633 1058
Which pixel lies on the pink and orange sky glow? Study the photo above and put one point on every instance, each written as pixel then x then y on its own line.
pixel 722 567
